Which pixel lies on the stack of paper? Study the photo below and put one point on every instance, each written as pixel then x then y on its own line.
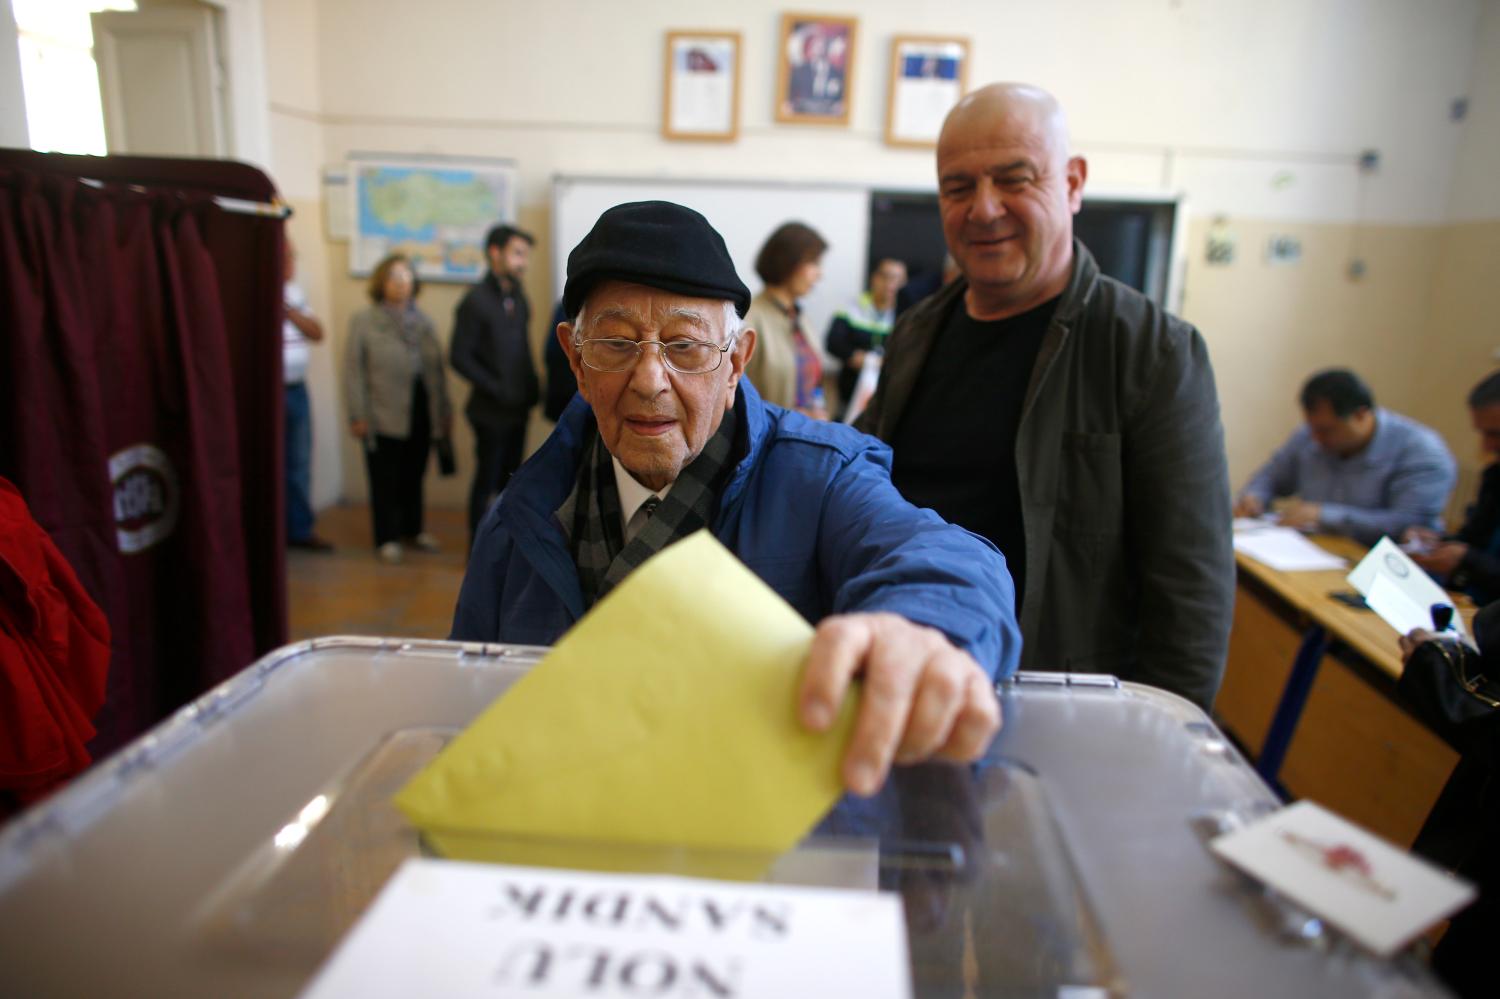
pixel 1285 550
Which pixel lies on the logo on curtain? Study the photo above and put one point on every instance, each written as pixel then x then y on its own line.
pixel 146 497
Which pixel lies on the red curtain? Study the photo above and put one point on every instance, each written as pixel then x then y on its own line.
pixel 140 409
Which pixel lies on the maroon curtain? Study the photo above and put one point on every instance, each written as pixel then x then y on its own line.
pixel 140 409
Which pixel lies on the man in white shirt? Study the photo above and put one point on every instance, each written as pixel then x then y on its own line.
pixel 298 329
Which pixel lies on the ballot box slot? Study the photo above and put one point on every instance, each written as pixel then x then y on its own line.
pixel 1047 678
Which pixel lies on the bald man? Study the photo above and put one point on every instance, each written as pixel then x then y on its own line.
pixel 1062 415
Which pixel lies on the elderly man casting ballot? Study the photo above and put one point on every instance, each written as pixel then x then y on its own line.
pixel 667 436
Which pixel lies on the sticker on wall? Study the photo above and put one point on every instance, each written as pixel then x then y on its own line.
pixel 1283 249
pixel 146 497
pixel 1221 244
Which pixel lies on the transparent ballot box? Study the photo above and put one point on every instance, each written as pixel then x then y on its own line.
pixel 228 851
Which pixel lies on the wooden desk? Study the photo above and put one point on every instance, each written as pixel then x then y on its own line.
pixel 1330 732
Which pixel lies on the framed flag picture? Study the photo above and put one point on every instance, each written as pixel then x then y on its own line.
pixel 928 76
pixel 701 94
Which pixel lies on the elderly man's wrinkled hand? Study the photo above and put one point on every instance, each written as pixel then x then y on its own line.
pixel 923 698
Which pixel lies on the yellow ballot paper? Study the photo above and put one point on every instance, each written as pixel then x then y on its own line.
pixel 666 717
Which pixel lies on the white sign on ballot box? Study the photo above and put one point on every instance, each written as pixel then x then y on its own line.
pixel 1379 895
pixel 446 928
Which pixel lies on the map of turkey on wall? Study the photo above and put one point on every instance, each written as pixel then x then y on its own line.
pixel 435 211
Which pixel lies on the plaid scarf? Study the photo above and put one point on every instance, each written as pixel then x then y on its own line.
pixel 592 516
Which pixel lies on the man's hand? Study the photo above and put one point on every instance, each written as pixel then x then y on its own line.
pixel 923 697
pixel 1442 560
pixel 1249 506
pixel 1411 640
pixel 1302 515
pixel 1420 538
pixel 359 428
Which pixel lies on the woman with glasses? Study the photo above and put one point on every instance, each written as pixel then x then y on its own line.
pixel 786 368
pixel 398 402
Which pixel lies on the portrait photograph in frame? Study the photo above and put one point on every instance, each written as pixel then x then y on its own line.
pixel 701 93
pixel 928 76
pixel 815 69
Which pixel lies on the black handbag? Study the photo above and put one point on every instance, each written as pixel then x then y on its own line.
pixel 447 467
pixel 1444 685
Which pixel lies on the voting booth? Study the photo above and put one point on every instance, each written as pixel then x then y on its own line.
pixel 230 850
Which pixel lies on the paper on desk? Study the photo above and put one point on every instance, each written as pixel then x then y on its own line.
pixel 667 716
pixel 1389 577
pixel 1285 549
pixel 1377 894
pixel 1255 523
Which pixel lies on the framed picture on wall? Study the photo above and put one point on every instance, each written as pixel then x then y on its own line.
pixel 701 95
pixel 928 76
pixel 815 69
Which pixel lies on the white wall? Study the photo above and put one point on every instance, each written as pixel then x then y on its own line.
pixel 1476 181
pixel 1217 98
pixel 13 132
pixel 1254 109
pixel 292 45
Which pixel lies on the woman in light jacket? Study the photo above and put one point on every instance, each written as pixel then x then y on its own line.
pixel 398 402
pixel 786 368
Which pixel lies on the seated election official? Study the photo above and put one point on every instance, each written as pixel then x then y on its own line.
pixel 667 436
pixel 1355 469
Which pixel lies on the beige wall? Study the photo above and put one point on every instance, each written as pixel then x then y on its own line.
pixel 1462 342
pixel 1254 111
pixel 1269 325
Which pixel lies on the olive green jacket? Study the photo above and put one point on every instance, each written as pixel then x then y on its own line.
pixel 1124 485
pixel 773 366
pixel 379 370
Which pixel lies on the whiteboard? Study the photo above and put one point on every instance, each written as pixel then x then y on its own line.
pixel 745 212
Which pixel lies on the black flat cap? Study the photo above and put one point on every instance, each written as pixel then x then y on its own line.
pixel 657 244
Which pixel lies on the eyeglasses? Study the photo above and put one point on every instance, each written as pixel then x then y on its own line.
pixel 689 357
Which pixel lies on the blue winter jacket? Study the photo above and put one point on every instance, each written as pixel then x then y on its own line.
pixel 809 507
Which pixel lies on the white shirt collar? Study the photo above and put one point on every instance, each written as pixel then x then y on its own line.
pixel 632 495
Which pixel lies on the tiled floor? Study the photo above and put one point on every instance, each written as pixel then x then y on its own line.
pixel 351 592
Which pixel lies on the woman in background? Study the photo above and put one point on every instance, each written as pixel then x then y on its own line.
pixel 398 401
pixel 786 367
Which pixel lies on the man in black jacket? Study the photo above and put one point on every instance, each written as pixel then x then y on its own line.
pixel 491 349
pixel 1470 559
pixel 1062 415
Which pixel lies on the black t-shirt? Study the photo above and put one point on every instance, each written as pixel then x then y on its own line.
pixel 955 446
